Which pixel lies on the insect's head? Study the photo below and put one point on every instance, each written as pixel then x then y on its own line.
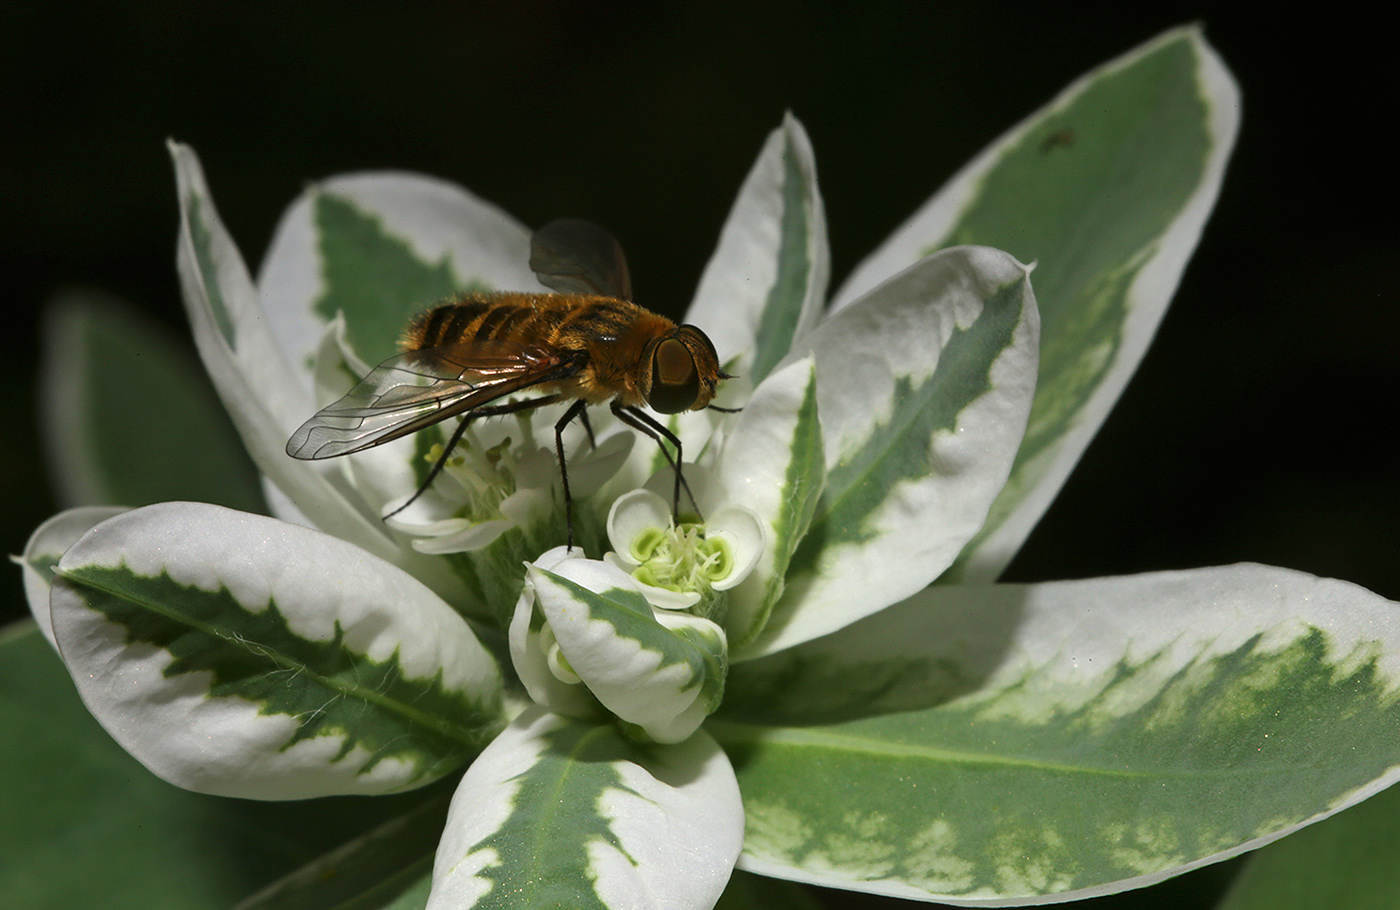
pixel 682 370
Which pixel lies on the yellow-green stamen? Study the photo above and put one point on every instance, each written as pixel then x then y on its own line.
pixel 681 558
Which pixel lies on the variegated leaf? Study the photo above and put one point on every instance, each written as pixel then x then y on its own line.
pixel 1007 744
pixel 772 463
pixel 765 286
pixel 379 248
pixel 238 655
pixel 1107 188
pixel 1351 860
pixel 662 671
pixel 557 813
pixel 923 387
pixel 265 395
pixel 46 547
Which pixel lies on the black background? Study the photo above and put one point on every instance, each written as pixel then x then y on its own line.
pixel 1259 427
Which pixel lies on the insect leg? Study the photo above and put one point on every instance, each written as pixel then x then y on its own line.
pixel 640 420
pixel 575 409
pixel 496 410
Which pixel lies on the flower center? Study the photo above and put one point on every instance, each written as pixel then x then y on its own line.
pixel 480 476
pixel 681 558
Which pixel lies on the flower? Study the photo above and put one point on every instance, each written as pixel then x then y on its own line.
pixel 643 631
pixel 487 488
pixel 820 610
pixel 699 559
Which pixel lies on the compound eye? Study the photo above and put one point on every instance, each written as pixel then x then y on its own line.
pixel 675 383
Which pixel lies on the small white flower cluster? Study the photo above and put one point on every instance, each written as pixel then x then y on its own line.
pixel 498 477
pixel 638 633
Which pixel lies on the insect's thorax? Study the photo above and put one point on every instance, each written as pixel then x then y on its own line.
pixel 614 333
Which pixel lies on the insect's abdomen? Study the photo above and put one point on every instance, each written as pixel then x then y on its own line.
pixel 564 320
pixel 476 317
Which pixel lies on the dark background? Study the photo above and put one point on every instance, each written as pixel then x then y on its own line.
pixel 1259 427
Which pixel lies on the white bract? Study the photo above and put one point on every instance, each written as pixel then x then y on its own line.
pixel 783 608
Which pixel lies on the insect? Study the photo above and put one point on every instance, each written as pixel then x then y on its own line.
pixel 588 343
pixel 1062 138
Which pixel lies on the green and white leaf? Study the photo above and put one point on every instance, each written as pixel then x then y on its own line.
pixel 662 671
pixel 238 655
pixel 1013 743
pixel 1107 188
pixel 772 463
pixel 764 287
pixel 923 387
pixel 766 283
pixel 1351 860
pixel 264 394
pixel 156 433
pixel 45 548
pixel 352 260
pixel 380 247
pixel 140 843
pixel 557 813
pixel 258 385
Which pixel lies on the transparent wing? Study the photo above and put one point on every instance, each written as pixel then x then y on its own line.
pixel 417 389
pixel 574 256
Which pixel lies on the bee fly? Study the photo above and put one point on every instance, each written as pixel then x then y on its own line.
pixel 587 343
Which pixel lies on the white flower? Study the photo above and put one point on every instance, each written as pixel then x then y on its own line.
pixel 486 488
pixel 713 553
